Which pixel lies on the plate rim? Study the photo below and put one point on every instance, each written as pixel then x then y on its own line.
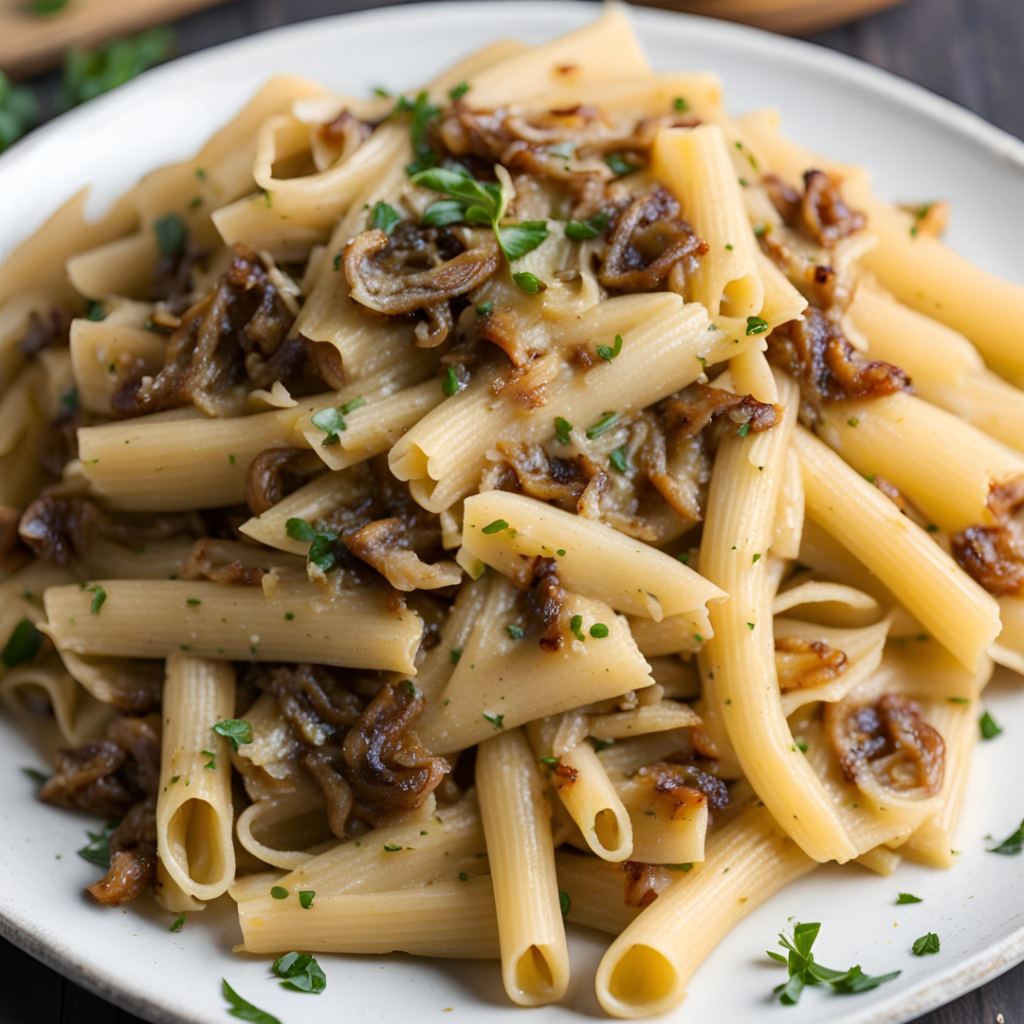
pixel 939 988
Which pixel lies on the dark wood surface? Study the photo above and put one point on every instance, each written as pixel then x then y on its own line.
pixel 971 51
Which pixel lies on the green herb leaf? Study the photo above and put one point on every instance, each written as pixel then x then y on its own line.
pixel 496 527
pixel 608 354
pixel 618 459
pixel 423 112
pixel 299 529
pixel 321 548
pixel 600 745
pixel 97 850
pixel 393 847
pixel 529 283
pixel 461 185
pixel 906 897
pixel 99 595
pixel 589 228
pixel 89 73
pixel 444 211
pixel 603 425
pixel 178 922
pixel 23 644
pixel 457 92
pixel 244 1010
pixel 454 654
pixel 485 309
pixel 619 165
pixel 235 731
pixel 332 422
pixel 564 902
pixel 516 240
pixel 498 721
pixel 563 428
pixel 36 776
pixel 989 728
pixel 680 105
pixel 171 234
pixel 756 325
pixel 301 973
pixel 576 627
pixel 451 385
pixel 306 898
pixel 385 217
pixel 516 632
pixel 279 892
pixel 1011 845
pixel 926 944
pixel 599 630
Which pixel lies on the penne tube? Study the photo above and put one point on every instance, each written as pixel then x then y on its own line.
pixel 534 954
pixel 500 682
pixel 401 856
pixel 446 919
pixel 592 558
pixel 695 164
pixel 646 969
pixel 155 619
pixel 944 467
pixel 933 588
pixel 194 813
pixel 590 798
pixel 739 660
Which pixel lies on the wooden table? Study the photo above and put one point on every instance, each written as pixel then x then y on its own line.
pixel 971 51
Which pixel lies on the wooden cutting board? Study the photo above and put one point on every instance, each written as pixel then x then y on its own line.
pixel 30 42
pixel 793 17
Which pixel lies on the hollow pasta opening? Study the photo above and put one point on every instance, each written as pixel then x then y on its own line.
pixel 606 828
pixel 643 977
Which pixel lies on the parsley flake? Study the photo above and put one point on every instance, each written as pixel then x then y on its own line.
pixel 179 921
pixel 563 428
pixel 609 353
pixel 564 902
pixel 23 644
pixel 756 325
pixel 306 898
pixel 906 897
pixel 498 721
pixel 576 627
pixel 496 527
pixel 301 973
pixel 1011 845
pixel 603 425
pixel 279 892
pixel 235 731
pixel 926 944
pixel 244 1010
pixel 589 228
pixel 599 630
pixel 385 217
pixel 989 728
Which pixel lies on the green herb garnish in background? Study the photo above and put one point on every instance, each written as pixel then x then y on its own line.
pixel 97 850
pixel 18 111
pixel 90 73
pixel 301 973
pixel 23 644
pixel 244 1010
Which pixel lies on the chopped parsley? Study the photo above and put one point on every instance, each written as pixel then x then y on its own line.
pixel 496 527
pixel 244 1010
pixel 618 459
pixel 23 644
pixel 906 897
pixel 959 700
pixel 551 762
pixel 451 385
pixel 498 721
pixel 608 354
pixel 756 325
pixel 576 627
pixel 744 430
pixel 385 217
pixel 321 546
pixel 679 105
pixel 852 421
pixel 805 970
pixel 235 731
pixel 989 728
pixel 801 746
pixel 598 630
pixel 463 877
pixel 619 165
pixel 563 428
pixel 301 973
pixel 18 111
pixel 179 921
pixel 332 420
pixel 603 425
pixel 516 632
pixel 485 309
pixel 193 602
pixel 97 850
pixel 926 944
pixel 99 595
pixel 35 775
pixel 88 73
pixel 306 898
pixel 457 92
pixel 423 112
pixel 171 234
pixel 680 867
pixel 589 228
pixel 755 559
pixel 529 283
pixel 1011 845
pixel 454 654
pixel 600 745
pixel 564 902
pixel 212 763
pixel 279 892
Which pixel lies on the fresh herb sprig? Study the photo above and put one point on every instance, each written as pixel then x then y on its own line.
pixel 804 970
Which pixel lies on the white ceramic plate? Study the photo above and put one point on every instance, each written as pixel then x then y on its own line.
pixel 920 148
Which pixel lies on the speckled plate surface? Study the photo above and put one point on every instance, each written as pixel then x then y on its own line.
pixel 920 147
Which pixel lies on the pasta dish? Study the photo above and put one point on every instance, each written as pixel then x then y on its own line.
pixel 430 519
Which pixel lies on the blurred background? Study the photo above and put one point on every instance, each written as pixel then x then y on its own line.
pixel 57 54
